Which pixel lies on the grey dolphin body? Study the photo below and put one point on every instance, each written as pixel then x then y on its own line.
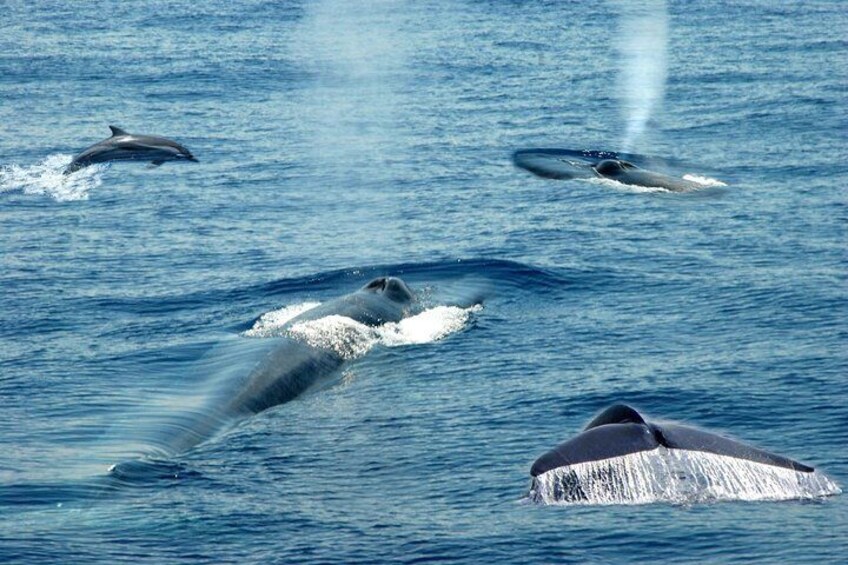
pixel 284 372
pixel 124 146
pixel 591 467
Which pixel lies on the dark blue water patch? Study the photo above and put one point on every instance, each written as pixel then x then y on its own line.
pixel 510 276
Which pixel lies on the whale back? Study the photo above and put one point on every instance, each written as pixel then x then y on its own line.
pixel 385 299
pixel 613 167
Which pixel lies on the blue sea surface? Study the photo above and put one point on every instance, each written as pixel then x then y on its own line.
pixel 343 140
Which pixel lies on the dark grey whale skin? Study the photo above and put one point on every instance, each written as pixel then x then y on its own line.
pixel 124 146
pixel 285 372
pixel 567 164
pixel 628 173
pixel 620 430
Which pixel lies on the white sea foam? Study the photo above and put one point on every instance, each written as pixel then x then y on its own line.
pixel 705 181
pixel 675 476
pixel 47 178
pixel 271 323
pixel 625 187
pixel 351 339
pixel 428 326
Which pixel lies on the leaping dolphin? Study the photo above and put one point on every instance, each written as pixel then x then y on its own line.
pixel 621 458
pixel 124 146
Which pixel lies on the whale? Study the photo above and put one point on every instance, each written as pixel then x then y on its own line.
pixel 619 457
pixel 626 172
pixel 290 368
pixel 125 146
pixel 564 164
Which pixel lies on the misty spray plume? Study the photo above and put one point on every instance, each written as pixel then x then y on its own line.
pixel 643 32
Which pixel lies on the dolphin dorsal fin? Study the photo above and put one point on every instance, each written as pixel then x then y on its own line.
pixel 117 131
pixel 617 414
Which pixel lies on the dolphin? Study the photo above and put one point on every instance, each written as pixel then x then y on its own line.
pixel 621 457
pixel 124 146
pixel 280 374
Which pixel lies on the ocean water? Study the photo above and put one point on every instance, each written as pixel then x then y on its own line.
pixel 343 140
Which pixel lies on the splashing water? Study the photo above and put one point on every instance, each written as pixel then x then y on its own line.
pixel 47 178
pixel 350 339
pixel 675 476
pixel 612 183
pixel 644 36
pixel 428 326
pixel 706 181
pixel 271 323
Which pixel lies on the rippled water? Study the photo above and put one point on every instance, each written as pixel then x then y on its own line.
pixel 340 141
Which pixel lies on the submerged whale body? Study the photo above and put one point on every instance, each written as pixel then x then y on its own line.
pixel 124 146
pixel 284 372
pixel 564 164
pixel 621 458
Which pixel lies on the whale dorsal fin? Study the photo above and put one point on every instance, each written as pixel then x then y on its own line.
pixel 617 414
pixel 117 131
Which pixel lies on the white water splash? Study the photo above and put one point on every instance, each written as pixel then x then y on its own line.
pixel 351 339
pixel 704 181
pixel 47 178
pixel 428 326
pixel 346 337
pixel 676 476
pixel 612 183
pixel 271 323
pixel 643 32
